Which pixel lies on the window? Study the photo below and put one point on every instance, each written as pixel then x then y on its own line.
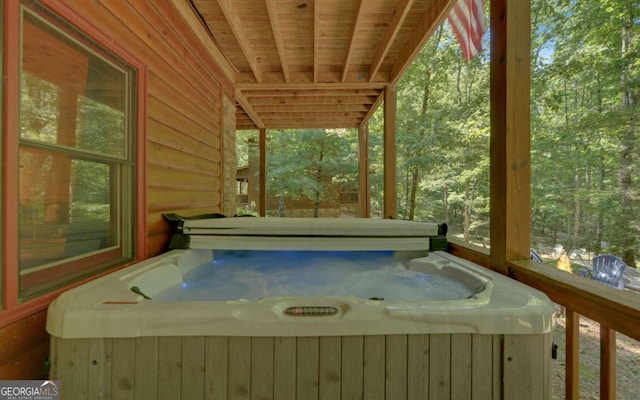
pixel 242 191
pixel 76 155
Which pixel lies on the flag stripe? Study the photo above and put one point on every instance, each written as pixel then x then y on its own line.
pixel 467 23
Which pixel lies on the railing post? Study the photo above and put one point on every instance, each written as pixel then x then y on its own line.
pixel 607 363
pixel 572 372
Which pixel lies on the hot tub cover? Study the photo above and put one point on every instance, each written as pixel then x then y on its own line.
pixel 216 231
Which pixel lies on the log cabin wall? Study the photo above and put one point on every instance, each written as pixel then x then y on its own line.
pixel 229 166
pixel 186 97
pixel 190 101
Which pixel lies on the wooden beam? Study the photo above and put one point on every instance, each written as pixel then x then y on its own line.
pixel 323 123
pixel 246 106
pixel 277 95
pixel 263 170
pixel 199 28
pixel 429 23
pixel 311 108
pixel 389 36
pixel 246 127
pixel 238 30
pixel 364 191
pixel 374 107
pixel 510 173
pixel 358 9
pixel 266 117
pixel 347 86
pixel 311 100
pixel 390 109
pixel 277 35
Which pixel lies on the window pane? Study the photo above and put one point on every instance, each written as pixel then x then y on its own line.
pixel 70 96
pixel 76 165
pixel 65 208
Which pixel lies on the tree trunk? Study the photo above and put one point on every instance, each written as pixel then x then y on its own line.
pixel 281 202
pixel 415 174
pixel 576 211
pixel 598 246
pixel 467 209
pixel 630 94
pixel 316 197
pixel 445 201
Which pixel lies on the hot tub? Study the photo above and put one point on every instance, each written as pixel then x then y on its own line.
pixel 145 332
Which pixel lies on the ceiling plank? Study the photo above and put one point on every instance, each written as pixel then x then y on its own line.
pixel 428 24
pixel 389 36
pixel 248 109
pixel 311 108
pixel 309 93
pixel 316 123
pixel 316 100
pixel 275 116
pixel 277 34
pixel 348 86
pixel 238 30
pixel 354 29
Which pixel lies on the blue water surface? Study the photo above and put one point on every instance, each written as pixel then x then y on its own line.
pixel 253 275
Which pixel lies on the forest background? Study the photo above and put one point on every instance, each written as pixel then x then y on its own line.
pixel 585 146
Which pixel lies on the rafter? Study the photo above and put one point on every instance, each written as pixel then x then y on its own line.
pixel 389 36
pixel 373 108
pixel 235 23
pixel 428 24
pixel 199 26
pixel 246 106
pixel 359 5
pixel 277 34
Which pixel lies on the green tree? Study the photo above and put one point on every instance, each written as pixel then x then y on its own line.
pixel 309 164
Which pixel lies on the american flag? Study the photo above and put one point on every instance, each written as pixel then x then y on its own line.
pixel 467 22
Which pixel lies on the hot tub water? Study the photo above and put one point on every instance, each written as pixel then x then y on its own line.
pixel 253 275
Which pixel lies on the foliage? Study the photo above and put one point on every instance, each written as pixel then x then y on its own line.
pixel 585 88
pixel 584 137
pixel 308 164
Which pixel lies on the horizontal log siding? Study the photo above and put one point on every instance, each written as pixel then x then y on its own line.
pixel 184 121
pixel 24 346
pixel 184 107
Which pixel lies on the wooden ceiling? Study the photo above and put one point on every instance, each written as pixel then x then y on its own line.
pixel 317 63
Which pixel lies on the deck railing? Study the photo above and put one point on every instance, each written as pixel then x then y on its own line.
pixel 615 311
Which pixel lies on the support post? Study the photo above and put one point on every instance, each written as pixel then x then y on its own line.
pixel 390 110
pixel 364 191
pixel 263 185
pixel 510 132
